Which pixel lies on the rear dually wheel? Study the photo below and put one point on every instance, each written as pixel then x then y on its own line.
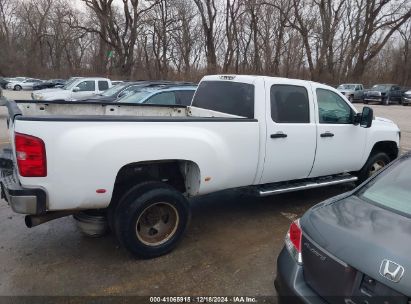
pixel 150 219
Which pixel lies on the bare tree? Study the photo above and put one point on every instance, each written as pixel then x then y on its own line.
pixel 208 14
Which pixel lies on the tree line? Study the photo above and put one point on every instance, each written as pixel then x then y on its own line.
pixel 329 41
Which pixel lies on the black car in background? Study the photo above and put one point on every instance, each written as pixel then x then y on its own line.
pixel 384 94
pixel 52 83
pixel 353 248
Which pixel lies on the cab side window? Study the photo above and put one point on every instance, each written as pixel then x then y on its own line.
pixel 184 97
pixel 86 86
pixel 332 108
pixel 289 104
pixel 165 98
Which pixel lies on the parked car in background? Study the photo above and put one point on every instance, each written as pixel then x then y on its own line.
pixel 74 89
pixel 384 94
pixel 4 82
pixel 52 83
pixel 406 98
pixel 353 248
pixel 118 91
pixel 162 95
pixel 353 91
pixel 26 84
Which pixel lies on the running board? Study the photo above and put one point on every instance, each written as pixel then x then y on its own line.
pixel 309 184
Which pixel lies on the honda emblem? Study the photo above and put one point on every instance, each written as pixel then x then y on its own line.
pixel 391 270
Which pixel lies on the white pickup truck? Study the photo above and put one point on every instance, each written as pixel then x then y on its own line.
pixel 75 88
pixel 140 163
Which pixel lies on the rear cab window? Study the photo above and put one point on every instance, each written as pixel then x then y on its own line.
pixel 229 97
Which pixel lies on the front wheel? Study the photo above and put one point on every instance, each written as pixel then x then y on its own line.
pixel 17 88
pixel 375 163
pixel 150 219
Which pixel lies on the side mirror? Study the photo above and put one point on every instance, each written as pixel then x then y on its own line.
pixel 367 116
pixel 76 89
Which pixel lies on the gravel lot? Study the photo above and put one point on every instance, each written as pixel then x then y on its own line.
pixel 230 247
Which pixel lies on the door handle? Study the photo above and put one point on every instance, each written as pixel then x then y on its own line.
pixel 279 135
pixel 327 134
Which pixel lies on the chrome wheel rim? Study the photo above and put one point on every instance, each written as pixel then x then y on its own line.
pixel 378 165
pixel 157 224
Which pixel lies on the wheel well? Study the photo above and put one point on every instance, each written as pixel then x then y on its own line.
pixel 183 175
pixel 389 147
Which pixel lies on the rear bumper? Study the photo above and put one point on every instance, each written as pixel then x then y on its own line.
pixel 290 284
pixel 21 200
pixel 406 100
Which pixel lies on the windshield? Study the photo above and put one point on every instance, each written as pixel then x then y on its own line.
pixel 136 97
pixel 347 87
pixel 113 90
pixel 392 188
pixel 381 87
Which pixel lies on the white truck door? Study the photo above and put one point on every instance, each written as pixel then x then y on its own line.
pixel 340 143
pixel 291 131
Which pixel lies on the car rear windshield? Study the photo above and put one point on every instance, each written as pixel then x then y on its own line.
pixel 392 188
pixel 227 97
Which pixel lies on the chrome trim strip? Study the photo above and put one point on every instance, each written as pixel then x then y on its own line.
pixel 309 185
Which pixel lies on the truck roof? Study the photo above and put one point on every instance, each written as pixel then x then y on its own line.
pixel 251 78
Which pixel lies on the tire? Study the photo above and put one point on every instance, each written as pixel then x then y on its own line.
pixel 17 88
pixel 351 98
pixel 150 219
pixel 365 101
pixel 375 162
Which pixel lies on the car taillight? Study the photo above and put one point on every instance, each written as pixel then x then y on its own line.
pixel 293 241
pixel 30 155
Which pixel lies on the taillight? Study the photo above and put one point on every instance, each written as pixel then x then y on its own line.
pixel 293 240
pixel 30 155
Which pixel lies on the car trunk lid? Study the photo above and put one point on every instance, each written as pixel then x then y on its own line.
pixel 349 240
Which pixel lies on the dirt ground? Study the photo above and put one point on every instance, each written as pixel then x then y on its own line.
pixel 230 247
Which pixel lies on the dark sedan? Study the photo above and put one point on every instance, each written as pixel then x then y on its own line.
pixel 353 248
pixel 53 83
